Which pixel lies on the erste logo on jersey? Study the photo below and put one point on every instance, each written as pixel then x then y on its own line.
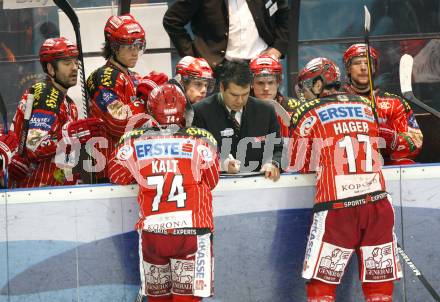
pixel 164 148
pixel 337 112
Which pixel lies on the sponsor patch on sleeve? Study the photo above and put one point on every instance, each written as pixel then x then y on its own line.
pixel 41 120
pixel 105 98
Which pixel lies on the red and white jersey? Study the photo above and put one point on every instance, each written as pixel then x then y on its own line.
pixel 113 99
pixel 337 136
pixel 50 111
pixel 175 172
pixel 395 113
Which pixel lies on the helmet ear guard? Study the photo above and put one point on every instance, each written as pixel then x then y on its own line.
pixel 321 69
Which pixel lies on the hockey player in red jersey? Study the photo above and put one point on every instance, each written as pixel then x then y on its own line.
pixel 195 77
pixel 176 169
pixel 398 126
pixel 54 119
pixel 112 87
pixel 267 75
pixel 337 136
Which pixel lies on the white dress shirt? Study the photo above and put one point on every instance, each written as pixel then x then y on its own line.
pixel 243 39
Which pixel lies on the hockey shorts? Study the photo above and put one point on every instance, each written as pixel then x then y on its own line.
pixel 176 264
pixel 367 229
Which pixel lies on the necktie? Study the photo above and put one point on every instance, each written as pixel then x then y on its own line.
pixel 234 120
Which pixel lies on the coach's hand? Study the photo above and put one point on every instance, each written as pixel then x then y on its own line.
pixel 271 171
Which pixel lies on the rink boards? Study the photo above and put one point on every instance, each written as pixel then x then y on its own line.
pixel 78 243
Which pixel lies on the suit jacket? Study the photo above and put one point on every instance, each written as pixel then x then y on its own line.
pixel 258 120
pixel 210 24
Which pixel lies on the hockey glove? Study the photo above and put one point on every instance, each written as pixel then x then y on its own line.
pixel 8 145
pixel 83 129
pixel 390 137
pixel 19 168
pixel 148 83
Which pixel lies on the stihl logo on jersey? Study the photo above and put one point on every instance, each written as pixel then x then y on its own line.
pixel 168 148
pixel 336 112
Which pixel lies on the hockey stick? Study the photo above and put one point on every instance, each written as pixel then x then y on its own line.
pixel 70 13
pixel 124 7
pixel 405 72
pixel 367 25
pixel 281 112
pixel 418 273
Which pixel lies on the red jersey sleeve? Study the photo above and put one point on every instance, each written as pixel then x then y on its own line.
pixel 398 117
pixel 211 168
pixel 301 145
pixel 113 98
pixel 122 165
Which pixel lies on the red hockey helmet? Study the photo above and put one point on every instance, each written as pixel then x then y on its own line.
pixel 166 103
pixel 190 68
pixel 265 65
pixel 194 67
pixel 319 68
pixel 124 29
pixel 359 50
pixel 322 68
pixel 57 49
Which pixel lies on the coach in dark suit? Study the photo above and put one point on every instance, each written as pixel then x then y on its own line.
pixel 211 22
pixel 245 128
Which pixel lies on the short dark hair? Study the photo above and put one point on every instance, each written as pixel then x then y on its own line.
pixel 237 72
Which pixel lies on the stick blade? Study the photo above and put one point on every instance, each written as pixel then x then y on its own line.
pixel 367 19
pixel 281 112
pixel 124 7
pixel 405 72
